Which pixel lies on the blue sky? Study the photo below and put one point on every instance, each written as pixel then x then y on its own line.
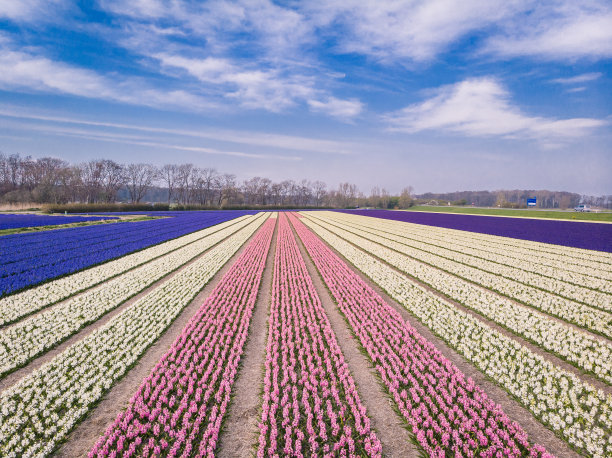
pixel 437 94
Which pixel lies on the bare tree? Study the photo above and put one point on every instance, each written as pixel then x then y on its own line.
pixel 250 189
pixel 112 179
pixel 138 180
pixel 319 189
pixel 184 183
pixel 168 174
pixel 346 195
pixel 91 173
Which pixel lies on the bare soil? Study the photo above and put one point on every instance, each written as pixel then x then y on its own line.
pixel 13 377
pixel 537 432
pixel 84 436
pixel 584 376
pixel 394 437
pixel 240 430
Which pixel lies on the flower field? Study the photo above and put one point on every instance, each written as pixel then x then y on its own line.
pixel 129 340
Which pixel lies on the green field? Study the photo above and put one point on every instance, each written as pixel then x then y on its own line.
pixel 553 214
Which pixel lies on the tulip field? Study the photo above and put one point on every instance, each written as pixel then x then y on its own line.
pixel 135 339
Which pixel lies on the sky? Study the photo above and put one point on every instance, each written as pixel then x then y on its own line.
pixel 439 95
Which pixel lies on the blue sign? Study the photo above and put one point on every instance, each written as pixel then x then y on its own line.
pixel 531 202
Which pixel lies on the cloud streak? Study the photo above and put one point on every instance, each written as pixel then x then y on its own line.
pixel 584 78
pixel 147 142
pixel 268 140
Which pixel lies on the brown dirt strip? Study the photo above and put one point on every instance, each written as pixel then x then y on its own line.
pixel 85 435
pixel 240 430
pixel 16 375
pixel 396 440
pixel 88 288
pixel 537 432
pixel 584 376
pixel 569 324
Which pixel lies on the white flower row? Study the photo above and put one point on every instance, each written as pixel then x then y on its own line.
pixel 574 286
pixel 29 301
pixel 589 266
pixel 40 410
pixel 590 353
pixel 577 411
pixel 30 337
pixel 585 316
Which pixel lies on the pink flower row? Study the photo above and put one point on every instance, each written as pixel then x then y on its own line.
pixel 447 412
pixel 310 406
pixel 178 409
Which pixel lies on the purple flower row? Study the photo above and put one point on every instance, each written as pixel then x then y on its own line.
pixel 578 234
pixel 30 258
pixel 447 412
pixel 178 409
pixel 310 406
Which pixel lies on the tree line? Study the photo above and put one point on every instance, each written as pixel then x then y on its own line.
pixel 50 180
pixel 55 181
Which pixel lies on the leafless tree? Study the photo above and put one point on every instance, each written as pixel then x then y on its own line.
pixel 319 189
pixel 138 179
pixel 169 174
pixel 184 183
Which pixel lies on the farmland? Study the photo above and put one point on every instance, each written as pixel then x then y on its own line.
pixel 307 333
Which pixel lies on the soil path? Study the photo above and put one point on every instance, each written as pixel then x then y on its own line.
pixel 13 377
pixel 240 430
pixel 84 436
pixel 584 376
pixel 538 311
pixel 394 437
pixel 537 432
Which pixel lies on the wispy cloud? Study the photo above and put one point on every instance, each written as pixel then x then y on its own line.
pixel 128 139
pixel 417 30
pixel 576 89
pixel 481 107
pixel 342 109
pixel 557 30
pixel 585 77
pixel 32 10
pixel 40 74
pixel 271 89
pixel 268 140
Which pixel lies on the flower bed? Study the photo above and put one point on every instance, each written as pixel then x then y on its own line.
pixel 32 336
pixel 311 405
pixel 580 348
pixel 39 411
pixel 592 236
pixel 19 305
pixel 179 407
pixel 31 258
pixel 573 409
pixel 446 411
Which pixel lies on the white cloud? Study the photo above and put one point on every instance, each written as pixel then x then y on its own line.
pixel 420 30
pixel 577 89
pixel 35 73
pixel 32 10
pixel 254 88
pixel 481 107
pixel 270 89
pixel 342 109
pixel 413 29
pixel 272 29
pixel 556 31
pixel 585 77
